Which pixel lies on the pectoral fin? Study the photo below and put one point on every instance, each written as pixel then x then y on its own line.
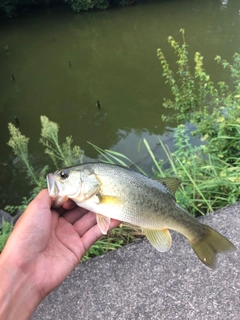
pixel 160 239
pixel 103 223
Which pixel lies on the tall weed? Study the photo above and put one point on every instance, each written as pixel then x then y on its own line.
pixel 208 182
pixel 214 110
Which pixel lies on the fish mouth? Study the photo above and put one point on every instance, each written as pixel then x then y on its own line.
pixel 54 190
pixel 52 186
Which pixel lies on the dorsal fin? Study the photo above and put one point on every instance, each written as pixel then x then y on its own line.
pixel 171 184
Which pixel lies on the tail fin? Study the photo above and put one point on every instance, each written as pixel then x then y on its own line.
pixel 209 245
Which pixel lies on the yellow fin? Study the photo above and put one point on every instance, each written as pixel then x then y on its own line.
pixel 171 184
pixel 160 239
pixel 103 223
pixel 111 200
pixel 209 245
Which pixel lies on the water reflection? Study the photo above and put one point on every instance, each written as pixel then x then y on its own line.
pixel 224 4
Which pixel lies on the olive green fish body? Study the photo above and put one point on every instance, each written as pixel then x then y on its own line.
pixel 120 193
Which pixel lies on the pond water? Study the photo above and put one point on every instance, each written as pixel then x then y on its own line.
pixel 113 60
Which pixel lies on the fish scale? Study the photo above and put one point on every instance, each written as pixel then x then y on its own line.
pixel 141 201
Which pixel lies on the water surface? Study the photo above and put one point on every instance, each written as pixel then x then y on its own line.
pixel 113 60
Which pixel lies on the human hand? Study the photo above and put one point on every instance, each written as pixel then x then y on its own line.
pixel 45 246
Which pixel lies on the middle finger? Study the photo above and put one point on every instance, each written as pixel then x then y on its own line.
pixel 85 223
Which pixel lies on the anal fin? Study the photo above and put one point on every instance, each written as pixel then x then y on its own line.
pixel 103 223
pixel 160 239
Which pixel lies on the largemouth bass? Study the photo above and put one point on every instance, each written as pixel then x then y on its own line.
pixel 116 192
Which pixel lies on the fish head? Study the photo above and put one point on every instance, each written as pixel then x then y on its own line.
pixel 71 183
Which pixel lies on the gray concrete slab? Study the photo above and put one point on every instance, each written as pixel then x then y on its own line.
pixel 137 282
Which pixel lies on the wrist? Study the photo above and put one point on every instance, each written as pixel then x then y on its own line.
pixel 18 295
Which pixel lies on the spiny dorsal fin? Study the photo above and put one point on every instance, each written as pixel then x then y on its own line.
pixel 171 184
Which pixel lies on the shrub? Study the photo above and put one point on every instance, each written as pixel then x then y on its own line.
pixel 214 110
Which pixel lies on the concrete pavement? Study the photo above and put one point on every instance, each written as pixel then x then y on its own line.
pixel 137 282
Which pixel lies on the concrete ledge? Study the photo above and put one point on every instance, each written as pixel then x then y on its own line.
pixel 137 282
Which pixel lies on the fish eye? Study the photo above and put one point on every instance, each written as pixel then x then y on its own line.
pixel 64 174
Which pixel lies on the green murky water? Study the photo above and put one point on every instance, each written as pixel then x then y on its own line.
pixel 113 59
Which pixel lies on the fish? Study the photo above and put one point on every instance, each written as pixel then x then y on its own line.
pixel 116 192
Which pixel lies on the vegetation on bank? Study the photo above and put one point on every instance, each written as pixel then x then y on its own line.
pixel 10 8
pixel 209 172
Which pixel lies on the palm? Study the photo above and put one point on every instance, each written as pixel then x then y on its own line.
pixel 56 243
